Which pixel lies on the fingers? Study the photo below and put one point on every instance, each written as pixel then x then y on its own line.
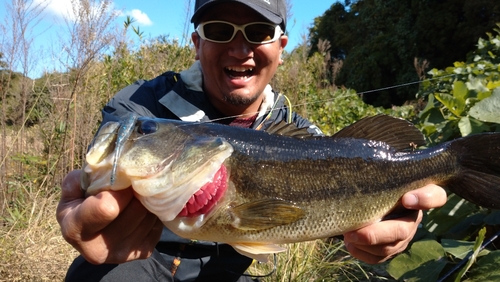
pixel 427 197
pixel 71 188
pixel 110 227
pixel 380 241
pixel 97 212
pixel 134 233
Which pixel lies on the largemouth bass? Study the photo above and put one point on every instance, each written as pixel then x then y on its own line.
pixel 255 189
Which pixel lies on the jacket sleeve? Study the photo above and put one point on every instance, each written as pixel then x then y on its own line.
pixel 121 104
pixel 140 98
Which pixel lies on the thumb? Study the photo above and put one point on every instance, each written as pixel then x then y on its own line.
pixel 427 197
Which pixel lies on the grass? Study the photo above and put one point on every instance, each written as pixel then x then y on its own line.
pixel 31 245
pixel 32 249
pixel 318 260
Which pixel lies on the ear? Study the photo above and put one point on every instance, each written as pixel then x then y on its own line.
pixel 196 40
pixel 283 41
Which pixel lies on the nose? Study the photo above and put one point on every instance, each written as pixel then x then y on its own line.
pixel 239 47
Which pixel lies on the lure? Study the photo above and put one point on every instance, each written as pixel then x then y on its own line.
pixel 126 128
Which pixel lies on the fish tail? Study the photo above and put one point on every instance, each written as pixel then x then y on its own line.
pixel 479 174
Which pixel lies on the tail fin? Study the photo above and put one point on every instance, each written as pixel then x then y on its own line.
pixel 479 180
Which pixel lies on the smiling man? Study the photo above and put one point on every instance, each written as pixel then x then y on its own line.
pixel 238 50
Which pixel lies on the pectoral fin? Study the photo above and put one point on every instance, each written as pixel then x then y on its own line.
pixel 257 251
pixel 264 214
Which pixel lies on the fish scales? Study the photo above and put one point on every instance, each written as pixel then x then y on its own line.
pixel 367 198
pixel 254 189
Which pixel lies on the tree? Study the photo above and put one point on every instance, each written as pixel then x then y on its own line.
pixel 379 41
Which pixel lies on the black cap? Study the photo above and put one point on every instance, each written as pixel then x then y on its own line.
pixel 273 10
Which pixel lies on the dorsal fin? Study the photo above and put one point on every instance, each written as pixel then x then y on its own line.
pixel 397 133
pixel 288 129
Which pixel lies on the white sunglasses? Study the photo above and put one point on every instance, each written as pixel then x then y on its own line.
pixel 224 32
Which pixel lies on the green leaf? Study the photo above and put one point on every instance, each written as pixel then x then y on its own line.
pixel 422 262
pixel 455 105
pixel 472 259
pixel 488 109
pixel 460 91
pixel 459 249
pixel 486 269
pixel 439 220
pixel 476 84
pixel 471 126
pixel 465 126
pixel 493 218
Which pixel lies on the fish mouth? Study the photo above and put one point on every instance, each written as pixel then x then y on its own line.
pixel 203 200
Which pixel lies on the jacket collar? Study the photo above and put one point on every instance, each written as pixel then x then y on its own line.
pixel 182 101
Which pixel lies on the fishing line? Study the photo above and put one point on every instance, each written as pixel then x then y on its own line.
pixel 339 97
pixel 468 257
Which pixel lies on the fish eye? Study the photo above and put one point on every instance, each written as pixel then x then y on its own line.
pixel 148 127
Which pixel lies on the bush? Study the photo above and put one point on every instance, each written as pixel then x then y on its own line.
pixel 461 100
pixel 464 99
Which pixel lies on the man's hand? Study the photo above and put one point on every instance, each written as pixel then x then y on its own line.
pixel 380 241
pixel 110 227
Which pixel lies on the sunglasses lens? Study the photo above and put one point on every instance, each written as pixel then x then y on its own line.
pixel 223 32
pixel 258 33
pixel 218 31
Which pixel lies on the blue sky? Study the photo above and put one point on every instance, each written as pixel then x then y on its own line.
pixel 169 18
pixel 154 18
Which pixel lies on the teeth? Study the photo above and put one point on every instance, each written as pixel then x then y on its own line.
pixel 239 69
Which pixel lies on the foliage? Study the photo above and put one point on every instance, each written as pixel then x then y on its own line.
pixel 461 100
pixel 3 64
pixel 379 40
pixel 334 110
pixel 46 134
pixel 152 58
pixel 304 79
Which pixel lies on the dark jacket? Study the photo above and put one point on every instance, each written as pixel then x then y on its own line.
pixel 172 97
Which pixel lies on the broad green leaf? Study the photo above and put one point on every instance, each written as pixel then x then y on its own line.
pixel 465 126
pixel 493 84
pixel 422 262
pixel 457 248
pixel 429 106
pixel 467 226
pixel 460 91
pixel 451 214
pixel 488 109
pixel 476 84
pixel 460 249
pixel 453 104
pixel 486 269
pixel 493 218
pixel 471 126
pixel 483 95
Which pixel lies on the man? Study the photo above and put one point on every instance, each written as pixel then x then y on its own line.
pixel 238 49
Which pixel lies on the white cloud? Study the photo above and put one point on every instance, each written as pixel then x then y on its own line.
pixel 140 17
pixel 64 8
pixel 58 8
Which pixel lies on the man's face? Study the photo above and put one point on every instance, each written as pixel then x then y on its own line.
pixel 236 73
